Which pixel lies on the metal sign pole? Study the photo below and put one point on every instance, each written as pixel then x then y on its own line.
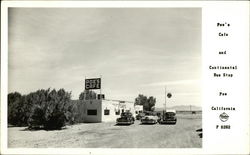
pixel 84 92
pixel 165 99
pixel 100 88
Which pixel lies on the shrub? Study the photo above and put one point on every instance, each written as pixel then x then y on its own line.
pixel 18 110
pixel 71 113
pixel 36 119
pixel 49 109
pixel 56 120
pixel 13 102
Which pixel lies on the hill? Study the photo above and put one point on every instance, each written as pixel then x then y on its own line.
pixel 182 108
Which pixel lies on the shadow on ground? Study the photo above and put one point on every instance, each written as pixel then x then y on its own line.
pixel 41 128
pixel 122 124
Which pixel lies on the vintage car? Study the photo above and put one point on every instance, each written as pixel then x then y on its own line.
pixel 149 119
pixel 125 118
pixel 168 117
pixel 139 116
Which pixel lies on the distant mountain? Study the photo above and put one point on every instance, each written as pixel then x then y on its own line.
pixel 182 108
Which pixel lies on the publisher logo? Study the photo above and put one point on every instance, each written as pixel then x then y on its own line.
pixel 223 117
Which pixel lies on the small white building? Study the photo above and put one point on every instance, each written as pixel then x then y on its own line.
pixel 138 109
pixel 106 110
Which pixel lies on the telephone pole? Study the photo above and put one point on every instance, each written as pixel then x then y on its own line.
pixel 100 88
pixel 165 99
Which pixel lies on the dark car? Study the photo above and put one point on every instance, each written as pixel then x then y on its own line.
pixel 168 117
pixel 125 118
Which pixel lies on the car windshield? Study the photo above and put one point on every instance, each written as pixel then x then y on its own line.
pixel 150 113
pixel 170 114
pixel 124 114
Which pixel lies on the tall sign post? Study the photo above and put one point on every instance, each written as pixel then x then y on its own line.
pixel 169 95
pixel 100 88
pixel 93 83
pixel 165 105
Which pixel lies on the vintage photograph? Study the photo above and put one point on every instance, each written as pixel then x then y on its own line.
pixel 104 78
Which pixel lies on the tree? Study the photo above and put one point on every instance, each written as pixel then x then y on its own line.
pixel 51 108
pixel 72 112
pixel 148 103
pixel 56 110
pixel 87 95
pixel 151 103
pixel 15 108
pixel 37 117
pixel 141 99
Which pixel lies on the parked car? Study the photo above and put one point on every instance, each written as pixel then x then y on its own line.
pixel 139 116
pixel 149 119
pixel 168 117
pixel 125 118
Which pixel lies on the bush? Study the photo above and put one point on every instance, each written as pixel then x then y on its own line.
pixel 49 109
pixel 36 119
pixel 71 114
pixel 13 102
pixel 18 110
pixel 56 120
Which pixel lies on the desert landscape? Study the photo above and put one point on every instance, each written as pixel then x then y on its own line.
pixel 109 135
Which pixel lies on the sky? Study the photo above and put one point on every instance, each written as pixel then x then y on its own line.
pixel 134 50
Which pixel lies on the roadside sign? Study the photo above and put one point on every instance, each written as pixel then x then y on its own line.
pixel 94 83
pixel 169 95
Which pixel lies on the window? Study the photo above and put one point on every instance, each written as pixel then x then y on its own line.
pixel 99 96
pixel 92 112
pixel 106 112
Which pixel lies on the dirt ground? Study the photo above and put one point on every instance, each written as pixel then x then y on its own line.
pixel 109 135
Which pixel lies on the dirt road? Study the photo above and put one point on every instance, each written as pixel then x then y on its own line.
pixel 108 135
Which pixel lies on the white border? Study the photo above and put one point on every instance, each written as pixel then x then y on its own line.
pixel 206 7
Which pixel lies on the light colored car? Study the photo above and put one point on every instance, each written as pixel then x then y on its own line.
pixel 149 119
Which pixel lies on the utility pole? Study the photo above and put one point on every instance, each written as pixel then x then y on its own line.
pixel 165 99
pixel 84 92
pixel 100 88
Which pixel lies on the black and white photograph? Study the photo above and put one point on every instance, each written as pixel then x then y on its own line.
pixel 123 77
pixel 104 78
